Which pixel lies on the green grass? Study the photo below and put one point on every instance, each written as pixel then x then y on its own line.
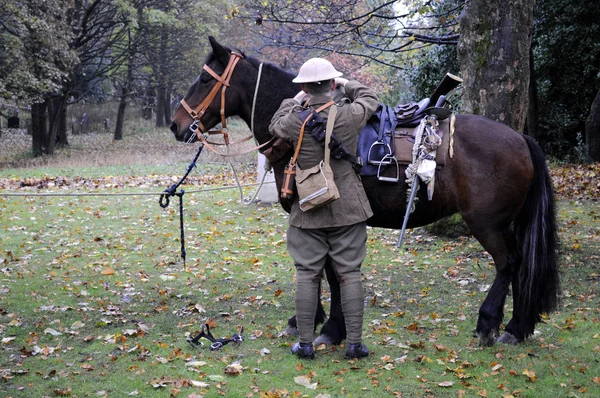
pixel 105 272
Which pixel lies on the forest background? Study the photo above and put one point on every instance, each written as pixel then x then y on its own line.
pixel 534 65
pixel 94 300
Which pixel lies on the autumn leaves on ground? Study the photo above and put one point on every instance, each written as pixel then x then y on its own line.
pixel 95 301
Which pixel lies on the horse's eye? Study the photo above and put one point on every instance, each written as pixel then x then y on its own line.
pixel 205 78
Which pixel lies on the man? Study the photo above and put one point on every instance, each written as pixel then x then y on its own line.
pixel 337 229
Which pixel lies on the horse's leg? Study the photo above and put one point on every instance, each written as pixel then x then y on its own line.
pixel 501 245
pixel 535 283
pixel 292 328
pixel 334 330
pixel 521 324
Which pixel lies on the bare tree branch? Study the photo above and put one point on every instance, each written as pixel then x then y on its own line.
pixel 353 27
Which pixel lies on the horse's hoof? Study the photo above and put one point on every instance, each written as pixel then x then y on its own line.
pixel 291 331
pixel 508 338
pixel 324 339
pixel 487 340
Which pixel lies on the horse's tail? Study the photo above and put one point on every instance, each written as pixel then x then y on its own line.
pixel 535 228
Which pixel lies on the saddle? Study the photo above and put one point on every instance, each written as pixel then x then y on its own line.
pixel 387 141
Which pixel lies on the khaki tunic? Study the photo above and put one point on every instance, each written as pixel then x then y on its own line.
pixel 353 206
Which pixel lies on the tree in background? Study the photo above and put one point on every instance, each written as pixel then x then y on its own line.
pixel 493 52
pixel 59 52
pixel 36 61
pixel 566 48
pixel 592 129
pixel 380 39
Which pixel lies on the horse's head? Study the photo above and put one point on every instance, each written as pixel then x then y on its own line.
pixel 204 102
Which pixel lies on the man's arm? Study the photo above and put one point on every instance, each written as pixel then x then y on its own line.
pixel 363 101
pixel 283 119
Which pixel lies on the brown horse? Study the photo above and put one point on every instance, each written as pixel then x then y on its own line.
pixel 497 181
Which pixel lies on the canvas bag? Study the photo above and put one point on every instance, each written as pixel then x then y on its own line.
pixel 288 189
pixel 316 185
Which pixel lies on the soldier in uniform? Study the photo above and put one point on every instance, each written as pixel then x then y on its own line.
pixel 337 229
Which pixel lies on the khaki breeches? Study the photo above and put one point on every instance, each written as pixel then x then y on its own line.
pixel 346 247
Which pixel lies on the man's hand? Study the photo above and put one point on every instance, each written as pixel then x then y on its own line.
pixel 301 97
pixel 340 81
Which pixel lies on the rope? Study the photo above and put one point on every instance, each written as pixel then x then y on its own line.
pixel 163 201
pixel 22 194
pixel 254 99
pixel 411 169
pixel 243 201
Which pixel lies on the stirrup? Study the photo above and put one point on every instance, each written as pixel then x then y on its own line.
pixel 386 148
pixel 389 159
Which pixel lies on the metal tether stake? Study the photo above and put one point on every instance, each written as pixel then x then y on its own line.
pixel 163 201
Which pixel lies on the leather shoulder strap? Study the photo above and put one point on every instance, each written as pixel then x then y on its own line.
pixel 301 135
pixel 329 130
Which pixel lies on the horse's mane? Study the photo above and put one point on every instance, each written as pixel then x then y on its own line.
pixel 278 72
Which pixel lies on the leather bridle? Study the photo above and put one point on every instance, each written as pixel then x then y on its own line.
pixel 196 114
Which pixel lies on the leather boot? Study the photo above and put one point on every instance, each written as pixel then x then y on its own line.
pixel 303 350
pixel 358 350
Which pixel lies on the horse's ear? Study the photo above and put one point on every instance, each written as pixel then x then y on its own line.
pixel 219 51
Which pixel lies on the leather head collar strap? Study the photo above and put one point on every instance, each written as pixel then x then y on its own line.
pixel 196 114
pixel 222 82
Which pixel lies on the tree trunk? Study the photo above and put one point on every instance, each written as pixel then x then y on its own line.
pixel 148 102
pixel 592 130
pixel 63 140
pixel 55 105
pixel 160 109
pixel 162 114
pixel 121 116
pixel 493 53
pixel 38 128
pixel 167 107
pixel 532 111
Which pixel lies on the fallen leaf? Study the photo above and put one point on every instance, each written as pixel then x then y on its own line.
pixel 195 364
pixel 235 369
pixel 530 374
pixel 77 325
pixel 264 352
pixel 446 383
pixel 305 382
pixel 199 384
